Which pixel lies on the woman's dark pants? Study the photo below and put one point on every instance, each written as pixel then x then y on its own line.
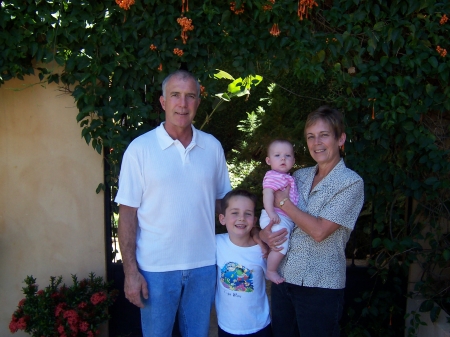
pixel 306 312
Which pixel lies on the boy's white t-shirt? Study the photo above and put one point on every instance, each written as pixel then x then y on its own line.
pixel 241 301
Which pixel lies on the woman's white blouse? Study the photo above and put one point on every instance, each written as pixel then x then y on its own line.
pixel 339 198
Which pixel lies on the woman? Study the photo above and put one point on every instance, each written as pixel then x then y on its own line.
pixel 310 302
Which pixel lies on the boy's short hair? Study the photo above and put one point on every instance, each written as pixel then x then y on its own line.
pixel 279 141
pixel 237 193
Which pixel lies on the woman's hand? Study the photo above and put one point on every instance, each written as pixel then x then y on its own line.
pixel 273 239
pixel 280 195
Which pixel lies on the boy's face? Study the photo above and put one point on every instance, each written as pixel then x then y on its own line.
pixel 239 216
pixel 281 157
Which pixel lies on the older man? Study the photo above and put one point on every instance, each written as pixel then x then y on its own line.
pixel 170 180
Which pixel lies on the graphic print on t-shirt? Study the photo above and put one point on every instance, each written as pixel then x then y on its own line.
pixel 236 277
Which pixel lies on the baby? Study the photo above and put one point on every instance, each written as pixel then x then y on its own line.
pixel 280 157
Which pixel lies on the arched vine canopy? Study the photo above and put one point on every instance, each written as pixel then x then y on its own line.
pixel 384 63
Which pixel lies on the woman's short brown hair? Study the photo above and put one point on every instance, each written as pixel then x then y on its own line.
pixel 329 115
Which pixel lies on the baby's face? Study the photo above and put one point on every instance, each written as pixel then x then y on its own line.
pixel 281 157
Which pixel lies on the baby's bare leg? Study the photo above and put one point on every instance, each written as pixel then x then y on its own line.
pixel 273 261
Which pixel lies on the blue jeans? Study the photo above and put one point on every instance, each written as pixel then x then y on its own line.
pixel 190 293
pixel 305 311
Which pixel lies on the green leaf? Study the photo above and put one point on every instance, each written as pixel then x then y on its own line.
pixel 379 26
pixel 376 242
pixel 224 96
pixel 399 81
pixel 434 313
pixel 408 126
pixel 433 61
pixel 321 55
pixel 426 306
pixel 446 254
pixel 431 180
pixel 223 75
pixel 100 187
pixel 430 89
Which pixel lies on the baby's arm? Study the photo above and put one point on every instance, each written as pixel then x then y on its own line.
pixel 268 200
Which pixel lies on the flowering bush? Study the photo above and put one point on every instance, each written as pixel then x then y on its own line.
pixel 61 311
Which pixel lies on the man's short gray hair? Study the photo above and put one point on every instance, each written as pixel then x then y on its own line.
pixel 183 75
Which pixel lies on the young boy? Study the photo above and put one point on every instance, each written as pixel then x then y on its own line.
pixel 241 301
pixel 280 157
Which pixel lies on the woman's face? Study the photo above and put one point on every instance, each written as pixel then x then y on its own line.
pixel 322 143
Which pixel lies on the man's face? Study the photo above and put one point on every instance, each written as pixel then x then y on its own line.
pixel 180 104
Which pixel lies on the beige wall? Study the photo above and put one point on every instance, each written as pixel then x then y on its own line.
pixel 51 219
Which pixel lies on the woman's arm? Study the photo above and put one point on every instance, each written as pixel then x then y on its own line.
pixel 318 228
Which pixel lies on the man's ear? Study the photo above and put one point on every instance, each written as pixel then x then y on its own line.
pixel 222 219
pixel 163 102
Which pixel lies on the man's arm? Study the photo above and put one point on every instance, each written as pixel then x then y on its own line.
pixel 135 284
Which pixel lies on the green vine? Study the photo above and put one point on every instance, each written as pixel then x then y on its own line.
pixel 384 63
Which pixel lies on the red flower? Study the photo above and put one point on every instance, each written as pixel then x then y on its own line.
pixel 61 329
pixel 40 292
pixel 21 323
pixel 13 324
pixel 84 326
pixel 98 298
pixel 82 305
pixel 22 302
pixel 59 309
pixel 18 324
pixel 125 4
pixel 72 319
pixel 275 31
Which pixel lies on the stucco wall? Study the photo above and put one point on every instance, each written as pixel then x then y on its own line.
pixel 51 219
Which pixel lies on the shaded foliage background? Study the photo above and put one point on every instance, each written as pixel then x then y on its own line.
pixel 378 61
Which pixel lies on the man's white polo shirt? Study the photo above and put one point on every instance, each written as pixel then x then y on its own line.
pixel 174 189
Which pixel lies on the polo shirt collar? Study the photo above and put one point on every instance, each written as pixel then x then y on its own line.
pixel 166 141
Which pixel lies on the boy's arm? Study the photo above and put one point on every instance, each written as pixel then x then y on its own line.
pixel 268 200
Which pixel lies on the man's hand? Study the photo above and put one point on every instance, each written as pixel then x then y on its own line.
pixel 273 239
pixel 135 286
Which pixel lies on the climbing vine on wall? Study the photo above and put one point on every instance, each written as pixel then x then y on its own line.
pixel 385 65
